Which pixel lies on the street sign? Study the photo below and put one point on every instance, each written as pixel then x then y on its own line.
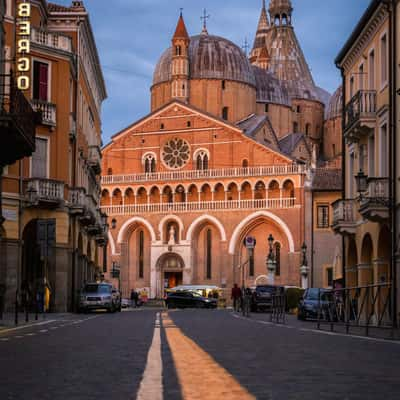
pixel 250 242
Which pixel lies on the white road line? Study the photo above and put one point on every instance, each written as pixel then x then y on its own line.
pixel 151 386
pixel 321 332
pixel 43 331
pixel 4 340
pixel 28 326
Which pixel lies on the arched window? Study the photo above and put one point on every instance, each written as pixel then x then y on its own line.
pixel 278 258
pixel 209 254
pixel 150 164
pixel 141 254
pixel 225 112
pixel 245 164
pixel 284 19
pixel 178 50
pixel 202 158
pixel 109 171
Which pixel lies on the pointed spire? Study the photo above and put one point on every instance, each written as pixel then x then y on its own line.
pixel 263 23
pixel 181 31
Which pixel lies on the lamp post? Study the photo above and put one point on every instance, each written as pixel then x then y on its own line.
pixel 271 262
pixel 304 269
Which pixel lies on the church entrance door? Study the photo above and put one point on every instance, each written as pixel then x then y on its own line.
pixel 172 279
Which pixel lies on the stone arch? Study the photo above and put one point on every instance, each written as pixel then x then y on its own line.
pixel 260 190
pixel 206 192
pixel 129 196
pixel 117 197
pixel 288 189
pixel 193 193
pixel 384 250
pixel 246 191
pixel 365 275
pixel 105 198
pixel 237 232
pixel 125 228
pixel 141 195
pixel 166 219
pixel 233 191
pixel 203 219
pixel 219 192
pixel 161 260
pixel 154 194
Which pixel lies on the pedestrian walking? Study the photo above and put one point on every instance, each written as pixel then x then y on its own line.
pixel 236 296
pixel 133 303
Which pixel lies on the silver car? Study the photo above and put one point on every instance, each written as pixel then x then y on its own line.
pixel 99 296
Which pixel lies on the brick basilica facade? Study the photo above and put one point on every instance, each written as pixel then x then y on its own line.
pixel 230 149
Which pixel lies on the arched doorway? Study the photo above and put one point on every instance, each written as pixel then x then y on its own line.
pixel 351 267
pixel 170 268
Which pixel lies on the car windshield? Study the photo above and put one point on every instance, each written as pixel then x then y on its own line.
pixel 265 289
pixel 312 294
pixel 97 288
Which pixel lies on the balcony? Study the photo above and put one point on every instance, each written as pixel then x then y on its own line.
pixel 17 123
pixel 274 170
pixel 52 40
pixel 374 205
pixel 94 159
pixel 344 217
pixel 77 201
pixel 190 207
pixel 44 192
pixel 360 115
pixel 48 111
pixel 91 208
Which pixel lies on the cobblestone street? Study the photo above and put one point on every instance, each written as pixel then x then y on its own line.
pixel 202 354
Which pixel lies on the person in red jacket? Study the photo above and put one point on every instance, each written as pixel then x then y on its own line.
pixel 236 296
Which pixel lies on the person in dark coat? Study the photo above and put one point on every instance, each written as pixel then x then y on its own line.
pixel 236 296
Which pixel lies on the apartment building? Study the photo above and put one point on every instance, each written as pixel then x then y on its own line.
pixel 54 231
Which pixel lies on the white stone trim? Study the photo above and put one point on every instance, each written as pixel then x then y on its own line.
pixel 255 215
pixel 127 224
pixel 205 218
pixel 112 244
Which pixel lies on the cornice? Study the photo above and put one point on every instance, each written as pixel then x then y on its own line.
pixel 364 39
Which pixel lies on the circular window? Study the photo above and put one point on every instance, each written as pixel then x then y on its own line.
pixel 176 153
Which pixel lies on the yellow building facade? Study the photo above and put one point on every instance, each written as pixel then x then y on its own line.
pixel 54 233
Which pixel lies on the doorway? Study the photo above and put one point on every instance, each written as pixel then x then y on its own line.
pixel 172 279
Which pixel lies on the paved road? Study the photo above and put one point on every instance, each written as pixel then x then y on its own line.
pixel 191 354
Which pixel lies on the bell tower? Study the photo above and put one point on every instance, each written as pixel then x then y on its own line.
pixel 180 62
pixel 280 12
pixel 261 40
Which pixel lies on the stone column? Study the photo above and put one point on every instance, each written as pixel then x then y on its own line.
pixel 59 283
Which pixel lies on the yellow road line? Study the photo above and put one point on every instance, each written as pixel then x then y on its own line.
pixel 199 375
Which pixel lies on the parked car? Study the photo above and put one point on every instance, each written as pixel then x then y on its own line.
pixel 99 296
pixel 309 304
pixel 125 303
pixel 262 297
pixel 186 299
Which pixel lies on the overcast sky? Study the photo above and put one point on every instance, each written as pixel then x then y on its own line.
pixel 132 34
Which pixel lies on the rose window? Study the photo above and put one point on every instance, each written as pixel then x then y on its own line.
pixel 176 153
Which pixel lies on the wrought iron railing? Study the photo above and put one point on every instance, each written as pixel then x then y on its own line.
pixel 362 105
pixel 274 170
pixel 361 307
pixel 227 205
pixel 13 104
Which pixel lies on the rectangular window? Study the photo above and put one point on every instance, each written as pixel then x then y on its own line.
pixel 225 113
pixel 329 277
pixel 361 77
pixel 323 217
pixel 209 254
pixel 371 156
pixel 384 63
pixel 383 153
pixel 363 157
pixel 266 108
pixel 39 159
pixel 351 87
pixel 40 81
pixel 351 175
pixel 372 70
pixel 141 255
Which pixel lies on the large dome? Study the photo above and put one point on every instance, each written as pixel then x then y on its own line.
pixel 211 57
pixel 335 106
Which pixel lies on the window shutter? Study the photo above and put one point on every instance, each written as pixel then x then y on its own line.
pixel 43 81
pixel 39 159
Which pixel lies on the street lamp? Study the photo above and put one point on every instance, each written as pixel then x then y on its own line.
pixel 304 269
pixel 271 263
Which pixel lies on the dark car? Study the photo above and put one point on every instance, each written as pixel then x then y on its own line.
pixel 187 299
pixel 310 304
pixel 262 297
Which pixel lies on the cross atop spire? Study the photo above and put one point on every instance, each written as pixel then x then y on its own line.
pixel 246 46
pixel 181 31
pixel 204 18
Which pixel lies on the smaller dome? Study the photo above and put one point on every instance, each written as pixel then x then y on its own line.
pixel 269 88
pixel 335 105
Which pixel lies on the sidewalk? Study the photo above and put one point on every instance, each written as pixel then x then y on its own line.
pixel 291 320
pixel 8 320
